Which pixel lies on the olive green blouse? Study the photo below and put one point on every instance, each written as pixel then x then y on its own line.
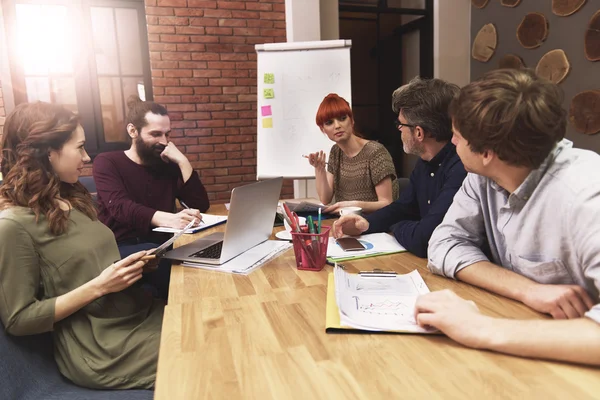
pixel 110 343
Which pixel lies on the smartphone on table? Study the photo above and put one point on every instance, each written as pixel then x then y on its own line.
pixel 350 244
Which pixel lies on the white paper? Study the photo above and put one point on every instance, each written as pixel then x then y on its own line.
pixel 379 303
pixel 208 220
pixel 249 260
pixel 373 242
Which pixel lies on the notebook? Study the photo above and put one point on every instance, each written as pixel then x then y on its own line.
pixel 208 221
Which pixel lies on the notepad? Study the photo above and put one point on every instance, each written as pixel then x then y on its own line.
pixel 374 303
pixel 208 221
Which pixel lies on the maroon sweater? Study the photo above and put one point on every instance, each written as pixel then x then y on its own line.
pixel 129 194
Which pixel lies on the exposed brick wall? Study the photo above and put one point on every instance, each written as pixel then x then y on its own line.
pixel 204 71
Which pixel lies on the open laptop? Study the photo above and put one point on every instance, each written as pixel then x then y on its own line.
pixel 251 214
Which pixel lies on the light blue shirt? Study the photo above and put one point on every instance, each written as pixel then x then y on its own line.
pixel 547 230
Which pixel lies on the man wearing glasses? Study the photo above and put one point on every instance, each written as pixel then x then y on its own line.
pixel 426 131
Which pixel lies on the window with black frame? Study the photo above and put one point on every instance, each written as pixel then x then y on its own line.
pixel 88 55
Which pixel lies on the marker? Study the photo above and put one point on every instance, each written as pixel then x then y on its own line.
pixel 319 221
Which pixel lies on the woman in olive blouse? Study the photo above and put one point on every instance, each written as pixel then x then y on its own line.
pixel 57 261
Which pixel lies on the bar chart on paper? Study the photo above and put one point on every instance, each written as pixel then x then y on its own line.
pixel 375 303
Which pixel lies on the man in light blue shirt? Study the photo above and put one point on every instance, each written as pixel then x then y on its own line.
pixel 525 224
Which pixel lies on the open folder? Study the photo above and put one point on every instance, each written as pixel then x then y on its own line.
pixel 375 244
pixel 373 301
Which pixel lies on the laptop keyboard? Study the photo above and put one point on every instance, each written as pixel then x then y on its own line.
pixel 212 251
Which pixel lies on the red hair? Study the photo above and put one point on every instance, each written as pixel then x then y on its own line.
pixel 333 106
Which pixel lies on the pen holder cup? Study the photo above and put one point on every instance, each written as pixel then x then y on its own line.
pixel 310 249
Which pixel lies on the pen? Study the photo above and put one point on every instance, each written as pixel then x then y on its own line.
pixel 305 156
pixel 378 273
pixel 186 206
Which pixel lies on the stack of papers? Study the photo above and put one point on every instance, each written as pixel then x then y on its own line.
pixel 376 244
pixel 374 303
pixel 249 260
pixel 208 220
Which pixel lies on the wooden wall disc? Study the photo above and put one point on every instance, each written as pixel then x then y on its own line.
pixel 592 38
pixel 532 30
pixel 511 61
pixel 563 8
pixel 485 43
pixel 510 3
pixel 553 66
pixel 479 3
pixel 584 112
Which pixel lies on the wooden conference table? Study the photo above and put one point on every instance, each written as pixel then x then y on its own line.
pixel 262 336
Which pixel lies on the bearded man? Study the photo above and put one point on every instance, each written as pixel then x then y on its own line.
pixel 137 188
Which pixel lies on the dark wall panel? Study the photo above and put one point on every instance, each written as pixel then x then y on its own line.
pixel 566 33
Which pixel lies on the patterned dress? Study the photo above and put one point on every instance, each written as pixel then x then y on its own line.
pixel 355 178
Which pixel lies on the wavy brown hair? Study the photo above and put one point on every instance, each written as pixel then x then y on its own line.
pixel 30 132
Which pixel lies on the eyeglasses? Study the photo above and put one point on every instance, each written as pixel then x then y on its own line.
pixel 399 125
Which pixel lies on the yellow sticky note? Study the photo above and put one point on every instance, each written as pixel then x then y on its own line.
pixel 269 78
pixel 267 122
pixel 268 93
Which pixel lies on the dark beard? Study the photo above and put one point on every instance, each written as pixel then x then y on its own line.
pixel 150 155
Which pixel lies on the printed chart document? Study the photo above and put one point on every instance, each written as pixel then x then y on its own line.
pixel 376 244
pixel 208 220
pixel 374 302
pixel 249 260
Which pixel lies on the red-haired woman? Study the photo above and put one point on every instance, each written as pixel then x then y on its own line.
pixel 57 261
pixel 360 172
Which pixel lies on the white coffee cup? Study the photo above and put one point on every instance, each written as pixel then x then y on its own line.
pixel 350 210
pixel 289 228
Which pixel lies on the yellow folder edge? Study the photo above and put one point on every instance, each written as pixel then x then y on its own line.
pixel 332 312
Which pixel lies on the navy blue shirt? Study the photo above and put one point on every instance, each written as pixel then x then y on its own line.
pixel 423 203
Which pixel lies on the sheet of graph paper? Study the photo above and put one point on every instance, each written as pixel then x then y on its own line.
pixel 379 303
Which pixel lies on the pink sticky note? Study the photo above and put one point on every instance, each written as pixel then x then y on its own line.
pixel 266 111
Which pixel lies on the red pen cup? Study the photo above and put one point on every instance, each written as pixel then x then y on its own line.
pixel 310 249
